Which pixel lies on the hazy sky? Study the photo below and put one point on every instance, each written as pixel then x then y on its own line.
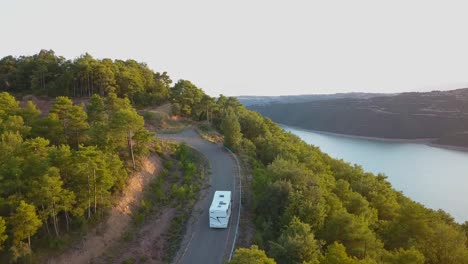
pixel 257 47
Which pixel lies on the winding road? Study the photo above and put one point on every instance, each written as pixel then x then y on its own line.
pixel 201 244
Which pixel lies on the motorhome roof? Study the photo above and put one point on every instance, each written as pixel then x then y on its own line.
pixel 221 201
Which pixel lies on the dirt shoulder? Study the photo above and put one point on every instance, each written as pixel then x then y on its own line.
pixel 246 226
pixel 148 247
pixel 94 244
pixel 158 226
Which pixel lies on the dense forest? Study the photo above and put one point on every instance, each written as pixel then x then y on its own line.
pixel 48 74
pixel 60 168
pixel 438 115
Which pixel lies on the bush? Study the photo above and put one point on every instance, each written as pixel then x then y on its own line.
pixel 158 148
pixel 169 164
pixel 155 118
pixel 159 194
pixel 205 128
pixel 146 206
pixel 189 169
pixel 164 173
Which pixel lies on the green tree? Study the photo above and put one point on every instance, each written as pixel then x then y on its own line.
pixel 251 255
pixel 96 109
pixel 336 254
pixel 61 158
pixel 252 124
pixel 45 67
pixel 8 69
pixel 112 104
pixel 30 113
pixel 353 232
pixel 124 124
pixel 270 205
pixel 231 130
pixel 15 123
pixel 92 179
pixel 50 196
pixel 444 244
pixel 296 244
pixel 51 128
pixel 11 164
pixel 188 97
pixel 8 105
pixel 98 119
pixel 354 202
pixel 161 91
pixel 130 78
pixel 83 73
pixel 24 222
pixel 72 118
pixel 103 73
pixel 404 256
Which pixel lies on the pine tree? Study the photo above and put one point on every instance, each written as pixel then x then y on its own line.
pixel 52 198
pixel 336 254
pixel 251 255
pixel 25 223
pixel 124 124
pixel 232 131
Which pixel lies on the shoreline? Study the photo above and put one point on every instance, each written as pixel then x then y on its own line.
pixel 425 141
pixel 451 147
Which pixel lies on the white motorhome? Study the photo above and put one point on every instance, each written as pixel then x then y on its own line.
pixel 220 209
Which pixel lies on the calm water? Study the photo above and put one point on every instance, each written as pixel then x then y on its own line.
pixel 435 177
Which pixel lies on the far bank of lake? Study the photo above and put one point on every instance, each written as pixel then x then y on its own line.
pixel 436 177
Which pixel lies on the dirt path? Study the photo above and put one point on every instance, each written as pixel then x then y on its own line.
pixel 94 245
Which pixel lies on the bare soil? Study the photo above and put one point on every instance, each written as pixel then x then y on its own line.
pixel 165 108
pixel 44 104
pixel 149 245
pixel 94 244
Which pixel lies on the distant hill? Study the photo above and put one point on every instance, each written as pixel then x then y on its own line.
pixel 441 115
pixel 260 100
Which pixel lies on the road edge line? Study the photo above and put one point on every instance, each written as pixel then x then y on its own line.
pixel 240 202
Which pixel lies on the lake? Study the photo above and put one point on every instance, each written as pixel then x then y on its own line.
pixel 435 177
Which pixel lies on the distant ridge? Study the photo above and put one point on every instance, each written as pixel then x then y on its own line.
pixel 255 100
pixel 442 115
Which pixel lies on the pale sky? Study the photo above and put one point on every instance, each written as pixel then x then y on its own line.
pixel 257 47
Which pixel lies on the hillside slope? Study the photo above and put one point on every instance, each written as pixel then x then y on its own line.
pixel 440 115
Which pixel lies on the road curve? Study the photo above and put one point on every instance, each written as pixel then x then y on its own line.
pixel 202 244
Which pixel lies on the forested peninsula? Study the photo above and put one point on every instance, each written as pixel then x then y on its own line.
pixel 59 169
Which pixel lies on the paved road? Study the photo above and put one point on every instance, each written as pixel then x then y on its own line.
pixel 202 244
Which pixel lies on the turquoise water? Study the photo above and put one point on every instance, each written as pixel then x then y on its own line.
pixel 435 177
